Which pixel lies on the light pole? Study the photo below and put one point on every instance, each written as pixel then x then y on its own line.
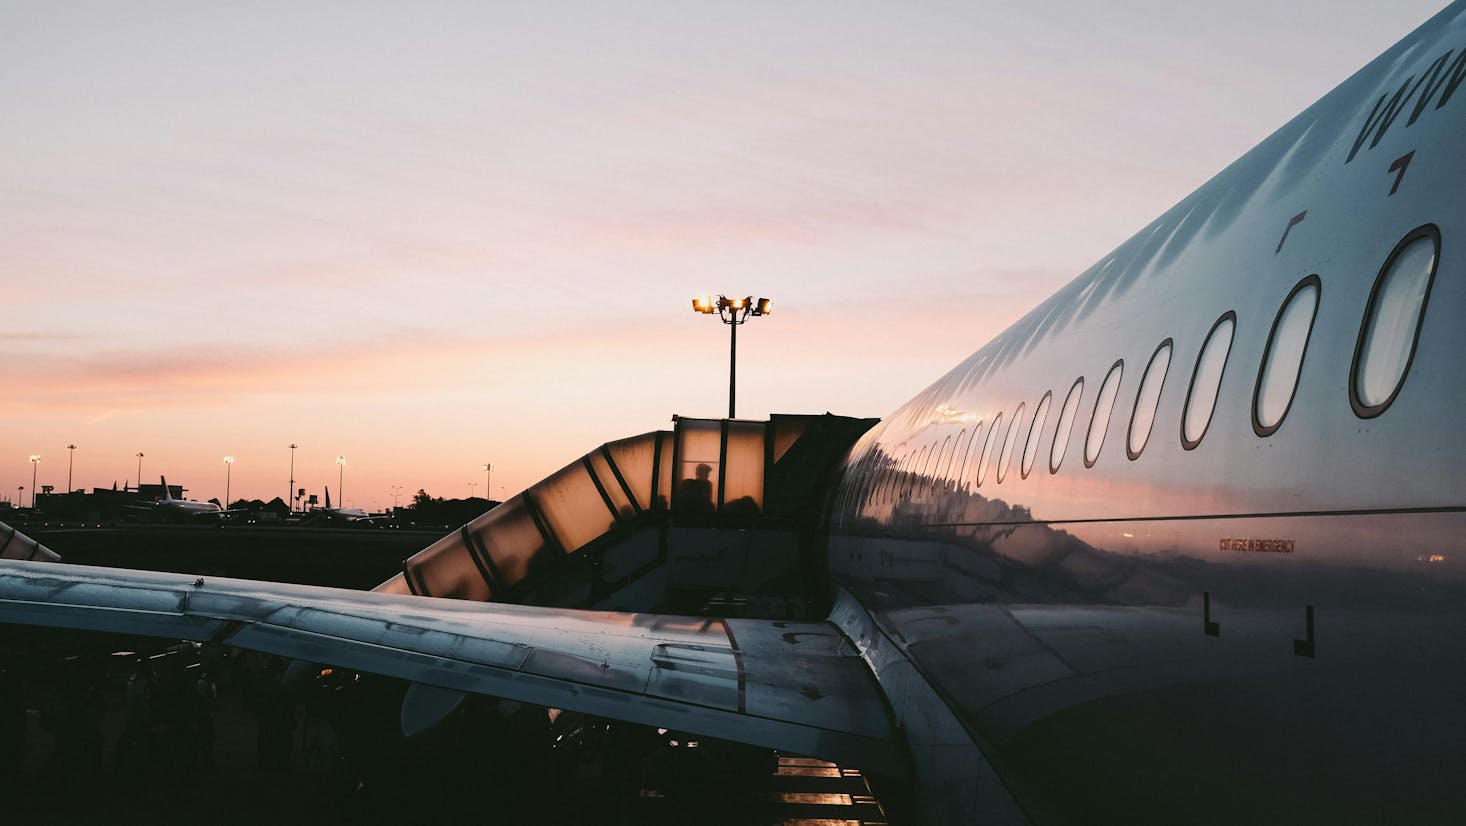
pixel 35 462
pixel 395 490
pixel 340 476
pixel 140 472
pixel 290 494
pixel 228 471
pixel 71 460
pixel 471 486
pixel 488 480
pixel 734 312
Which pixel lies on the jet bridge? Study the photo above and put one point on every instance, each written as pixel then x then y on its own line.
pixel 720 516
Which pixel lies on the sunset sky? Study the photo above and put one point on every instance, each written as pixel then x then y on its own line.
pixel 429 235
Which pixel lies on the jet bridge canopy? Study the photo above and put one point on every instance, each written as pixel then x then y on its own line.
pixel 710 474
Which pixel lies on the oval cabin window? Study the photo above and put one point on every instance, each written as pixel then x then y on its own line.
pixel 1282 360
pixel 1099 424
pixel 972 442
pixel 989 445
pixel 1392 322
pixel 1148 400
pixel 1030 450
pixel 1006 457
pixel 1206 381
pixel 949 482
pixel 1066 425
pixel 939 468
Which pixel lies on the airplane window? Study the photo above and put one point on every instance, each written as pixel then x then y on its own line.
pixel 1142 418
pixel 918 471
pixel 1282 359
pixel 946 475
pixel 871 474
pixel 894 480
pixel 1392 322
pixel 1206 381
pixel 939 468
pixel 982 463
pixel 1099 423
pixel 903 472
pixel 972 443
pixel 1066 425
pixel 1008 441
pixel 883 486
pixel 1030 451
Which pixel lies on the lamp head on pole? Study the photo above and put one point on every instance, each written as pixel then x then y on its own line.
pixel 734 310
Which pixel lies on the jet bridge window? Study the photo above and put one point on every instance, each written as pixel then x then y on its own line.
pixel 1392 322
pixel 1099 423
pixel 1006 456
pixel 1040 417
pixel 1282 358
pixel 1148 399
pixel 699 457
pixel 1206 381
pixel 484 558
pixel 1063 432
pixel 574 506
pixel 636 458
pixel 743 483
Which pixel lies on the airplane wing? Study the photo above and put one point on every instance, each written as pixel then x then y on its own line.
pixel 796 686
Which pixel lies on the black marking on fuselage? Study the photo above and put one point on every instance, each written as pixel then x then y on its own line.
pixel 1398 167
pixel 1292 222
pixel 1439 77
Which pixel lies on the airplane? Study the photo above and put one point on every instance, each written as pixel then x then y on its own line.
pixel 1186 543
pixel 178 510
pixel 341 514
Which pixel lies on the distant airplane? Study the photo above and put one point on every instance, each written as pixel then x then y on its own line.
pixel 341 514
pixel 1248 604
pixel 179 510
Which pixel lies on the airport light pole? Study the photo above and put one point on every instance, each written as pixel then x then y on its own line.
pixel 290 494
pixel 488 480
pixel 140 472
pixel 35 462
pixel 228 471
pixel 340 476
pixel 734 312
pixel 70 461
